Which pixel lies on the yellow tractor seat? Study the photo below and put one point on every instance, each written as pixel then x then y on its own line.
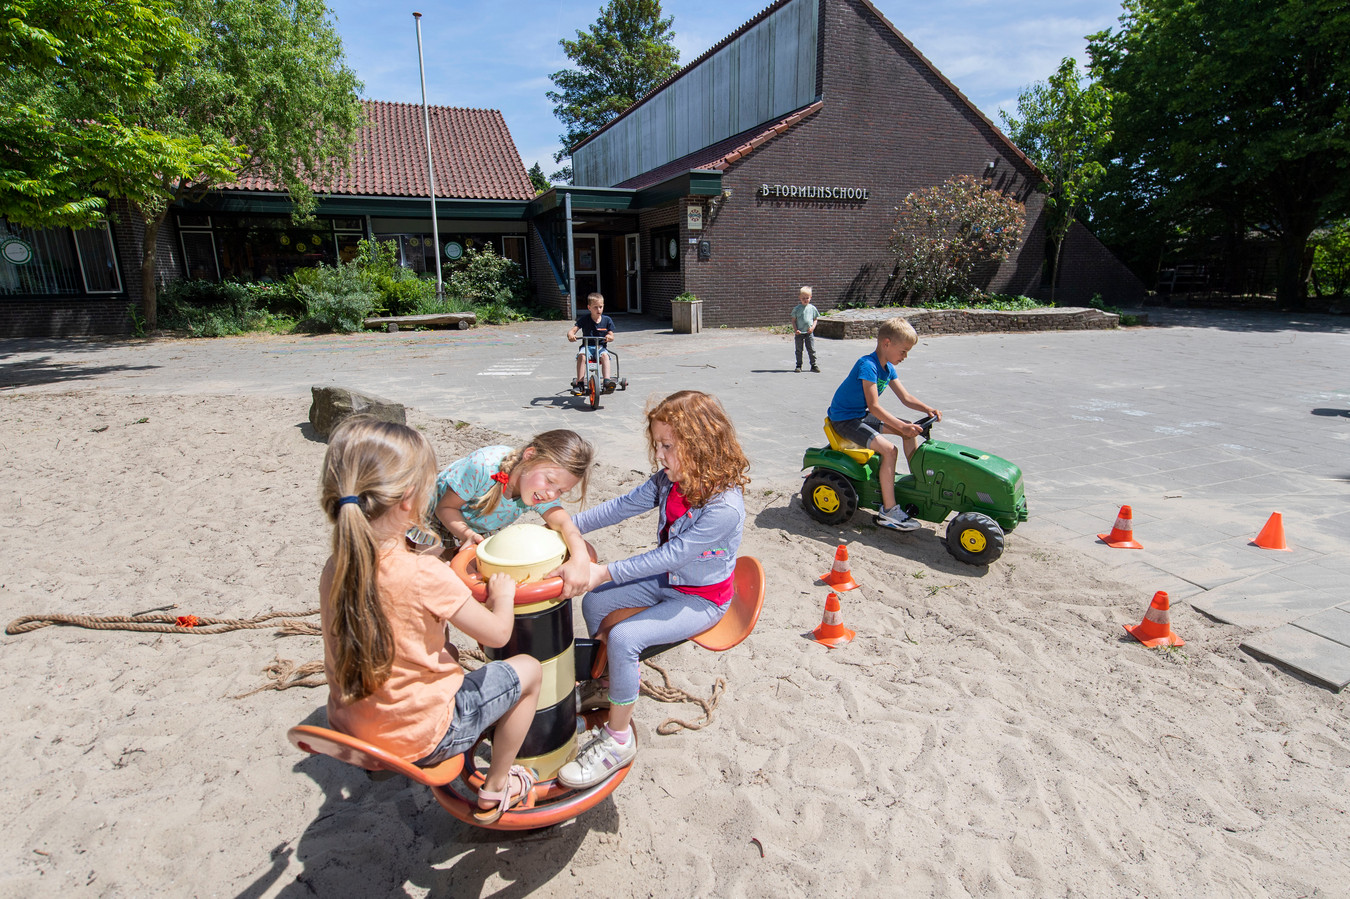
pixel 859 454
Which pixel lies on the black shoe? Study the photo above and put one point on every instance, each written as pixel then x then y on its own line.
pixel 816 369
pixel 798 369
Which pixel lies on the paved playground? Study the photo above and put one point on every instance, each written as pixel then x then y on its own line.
pixel 1204 422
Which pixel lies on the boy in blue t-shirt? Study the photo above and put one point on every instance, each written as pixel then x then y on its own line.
pixel 856 413
pixel 592 323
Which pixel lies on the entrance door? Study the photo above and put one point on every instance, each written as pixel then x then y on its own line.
pixel 633 271
pixel 586 257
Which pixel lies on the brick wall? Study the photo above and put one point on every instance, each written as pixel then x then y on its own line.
pixel 660 288
pixel 546 292
pixel 892 126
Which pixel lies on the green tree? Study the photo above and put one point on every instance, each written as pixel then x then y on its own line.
pixel 628 51
pixel 1063 125
pixel 1234 110
pixel 943 233
pixel 72 70
pixel 539 179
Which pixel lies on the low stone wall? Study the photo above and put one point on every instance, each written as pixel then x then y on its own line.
pixel 862 323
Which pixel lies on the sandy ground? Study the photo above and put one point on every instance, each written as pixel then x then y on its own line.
pixel 988 733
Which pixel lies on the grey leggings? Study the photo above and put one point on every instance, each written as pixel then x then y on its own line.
pixel 669 616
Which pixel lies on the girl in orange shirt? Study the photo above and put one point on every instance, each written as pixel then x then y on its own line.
pixel 393 678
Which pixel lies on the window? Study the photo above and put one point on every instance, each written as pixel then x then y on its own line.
pixel 666 249
pixel 57 261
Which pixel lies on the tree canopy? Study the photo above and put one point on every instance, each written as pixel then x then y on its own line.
pixel 1064 126
pixel 173 98
pixel 1233 110
pixel 625 53
pixel 74 72
pixel 538 179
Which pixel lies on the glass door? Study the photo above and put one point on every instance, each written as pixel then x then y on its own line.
pixel 633 271
pixel 586 256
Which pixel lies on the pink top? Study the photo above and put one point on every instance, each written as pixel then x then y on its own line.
pixel 410 713
pixel 719 593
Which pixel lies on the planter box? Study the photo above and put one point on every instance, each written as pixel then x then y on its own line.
pixel 686 318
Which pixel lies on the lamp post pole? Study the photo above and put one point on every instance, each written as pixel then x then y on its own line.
pixel 431 170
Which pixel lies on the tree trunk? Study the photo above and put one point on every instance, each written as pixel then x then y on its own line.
pixel 149 295
pixel 1054 266
pixel 1294 270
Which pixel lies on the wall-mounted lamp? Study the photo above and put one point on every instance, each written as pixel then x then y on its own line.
pixel 989 168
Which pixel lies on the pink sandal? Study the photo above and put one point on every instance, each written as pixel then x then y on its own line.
pixel 519 786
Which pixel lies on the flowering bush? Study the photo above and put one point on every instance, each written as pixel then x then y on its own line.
pixel 942 233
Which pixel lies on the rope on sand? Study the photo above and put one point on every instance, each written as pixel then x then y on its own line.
pixel 285 674
pixel 161 624
pixel 668 693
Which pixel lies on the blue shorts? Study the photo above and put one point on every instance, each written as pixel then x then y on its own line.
pixel 485 696
pixel 592 353
pixel 859 430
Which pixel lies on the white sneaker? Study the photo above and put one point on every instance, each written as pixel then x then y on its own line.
pixel 598 760
pixel 896 519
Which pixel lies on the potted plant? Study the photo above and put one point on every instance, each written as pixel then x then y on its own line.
pixel 686 314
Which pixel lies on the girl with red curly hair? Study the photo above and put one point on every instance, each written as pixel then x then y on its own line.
pixel 685 583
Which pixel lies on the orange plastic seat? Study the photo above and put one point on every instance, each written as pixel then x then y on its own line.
pixel 747 600
pixel 324 741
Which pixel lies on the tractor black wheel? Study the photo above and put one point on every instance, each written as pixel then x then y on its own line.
pixel 828 497
pixel 974 538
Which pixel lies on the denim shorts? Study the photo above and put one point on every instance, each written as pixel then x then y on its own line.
pixel 592 352
pixel 485 696
pixel 859 430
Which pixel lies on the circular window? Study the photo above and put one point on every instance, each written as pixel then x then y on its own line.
pixel 16 251
pixel 453 250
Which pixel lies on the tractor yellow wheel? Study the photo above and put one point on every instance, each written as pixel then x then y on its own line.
pixel 972 540
pixel 826 499
pixel 829 497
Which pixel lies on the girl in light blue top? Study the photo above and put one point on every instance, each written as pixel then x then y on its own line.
pixel 683 585
pixel 491 487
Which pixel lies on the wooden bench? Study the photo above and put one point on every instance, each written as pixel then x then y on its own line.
pixel 461 320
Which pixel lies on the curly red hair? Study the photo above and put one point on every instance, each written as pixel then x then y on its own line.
pixel 711 458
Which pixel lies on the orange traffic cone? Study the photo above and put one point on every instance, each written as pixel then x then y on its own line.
pixel 832 632
pixel 1156 628
pixel 839 577
pixel 1272 535
pixel 1122 533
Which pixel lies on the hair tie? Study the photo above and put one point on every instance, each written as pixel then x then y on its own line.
pixel 501 477
pixel 342 501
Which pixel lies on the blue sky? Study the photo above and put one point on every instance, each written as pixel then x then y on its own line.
pixel 498 54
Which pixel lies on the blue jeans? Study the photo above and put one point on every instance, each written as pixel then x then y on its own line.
pixel 486 694
pixel 669 616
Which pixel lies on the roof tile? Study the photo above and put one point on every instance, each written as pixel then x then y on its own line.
pixel 472 150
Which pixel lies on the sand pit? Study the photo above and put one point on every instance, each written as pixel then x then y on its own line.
pixel 988 733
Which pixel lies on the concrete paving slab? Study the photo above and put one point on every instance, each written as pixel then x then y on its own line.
pixel 1263 600
pixel 1323 660
pixel 1334 624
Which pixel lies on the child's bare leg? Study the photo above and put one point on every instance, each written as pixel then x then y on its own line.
pixel 581 365
pixel 604 365
pixel 620 717
pixel 911 444
pixel 888 453
pixel 512 727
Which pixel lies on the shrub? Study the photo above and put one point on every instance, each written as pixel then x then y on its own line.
pixel 1331 260
pixel 214 309
pixel 481 277
pixel 942 233
pixel 337 298
pixel 685 297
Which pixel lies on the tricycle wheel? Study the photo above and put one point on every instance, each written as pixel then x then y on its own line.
pixel 593 392
pixel 828 497
pixel 623 383
pixel 974 538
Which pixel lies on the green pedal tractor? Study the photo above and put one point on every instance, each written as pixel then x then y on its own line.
pixel 983 490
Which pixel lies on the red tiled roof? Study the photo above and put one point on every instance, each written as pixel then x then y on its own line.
pixel 723 153
pixel 472 149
